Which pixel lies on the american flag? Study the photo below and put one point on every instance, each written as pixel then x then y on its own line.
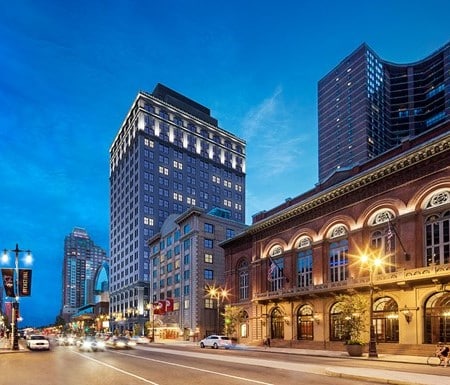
pixel 271 269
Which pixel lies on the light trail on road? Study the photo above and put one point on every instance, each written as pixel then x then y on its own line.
pixel 116 368
pixel 197 369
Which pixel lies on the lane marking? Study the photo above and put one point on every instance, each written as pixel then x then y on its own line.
pixel 117 369
pixel 198 369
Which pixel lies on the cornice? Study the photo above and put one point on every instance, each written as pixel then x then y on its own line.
pixel 386 169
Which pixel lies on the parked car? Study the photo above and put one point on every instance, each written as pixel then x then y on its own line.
pixel 91 344
pixel 38 342
pixel 216 341
pixel 120 343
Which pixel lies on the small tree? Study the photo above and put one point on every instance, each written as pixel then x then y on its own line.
pixel 353 317
pixel 233 316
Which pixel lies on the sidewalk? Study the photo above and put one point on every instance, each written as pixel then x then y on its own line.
pixel 5 346
pixel 363 374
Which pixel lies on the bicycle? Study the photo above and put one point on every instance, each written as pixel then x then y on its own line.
pixel 435 360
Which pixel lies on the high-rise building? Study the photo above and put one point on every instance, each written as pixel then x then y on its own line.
pixel 368 106
pixel 82 259
pixel 169 155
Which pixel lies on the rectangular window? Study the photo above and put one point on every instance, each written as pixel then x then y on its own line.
pixel 209 228
pixel 209 303
pixel 230 233
pixel 208 274
pixel 208 243
pixel 338 261
pixel 304 268
pixel 208 258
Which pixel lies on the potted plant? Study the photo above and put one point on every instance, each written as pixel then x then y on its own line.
pixel 353 319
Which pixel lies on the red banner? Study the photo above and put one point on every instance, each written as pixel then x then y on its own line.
pixel 169 304
pixel 159 307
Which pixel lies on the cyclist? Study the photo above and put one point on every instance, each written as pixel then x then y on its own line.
pixel 443 352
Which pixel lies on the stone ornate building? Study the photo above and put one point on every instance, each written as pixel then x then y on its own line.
pixel 286 269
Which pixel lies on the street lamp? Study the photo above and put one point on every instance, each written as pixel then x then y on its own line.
pixel 155 306
pixel 15 290
pixel 371 263
pixel 218 293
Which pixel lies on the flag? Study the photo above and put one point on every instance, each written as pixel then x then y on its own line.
pixel 159 307
pixel 169 304
pixel 271 270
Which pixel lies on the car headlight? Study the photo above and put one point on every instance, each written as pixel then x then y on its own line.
pixel 120 344
pixel 100 344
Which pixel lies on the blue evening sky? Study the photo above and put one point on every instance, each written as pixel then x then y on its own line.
pixel 70 70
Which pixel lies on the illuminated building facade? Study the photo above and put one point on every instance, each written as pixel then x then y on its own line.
pixel 396 206
pixel 168 156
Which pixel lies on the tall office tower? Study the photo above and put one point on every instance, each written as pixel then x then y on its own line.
pixel 82 259
pixel 169 155
pixel 368 105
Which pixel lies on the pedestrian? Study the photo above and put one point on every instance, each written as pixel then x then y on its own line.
pixel 266 342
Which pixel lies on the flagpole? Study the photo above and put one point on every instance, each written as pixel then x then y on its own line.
pixel 398 237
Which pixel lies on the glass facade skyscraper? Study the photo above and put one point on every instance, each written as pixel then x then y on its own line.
pixel 82 259
pixel 169 155
pixel 368 106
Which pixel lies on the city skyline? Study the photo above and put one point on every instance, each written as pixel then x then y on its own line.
pixel 70 76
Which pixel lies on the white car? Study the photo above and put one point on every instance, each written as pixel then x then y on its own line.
pixel 140 339
pixel 216 341
pixel 38 342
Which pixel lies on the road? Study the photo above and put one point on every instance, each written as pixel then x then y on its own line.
pixel 161 365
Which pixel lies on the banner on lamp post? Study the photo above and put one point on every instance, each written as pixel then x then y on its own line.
pixel 8 282
pixel 24 282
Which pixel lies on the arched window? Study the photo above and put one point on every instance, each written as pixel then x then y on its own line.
pixel 385 318
pixel 437 318
pixel 243 280
pixel 305 323
pixel 383 239
pixel 276 324
pixel 243 328
pixel 275 272
pixel 336 324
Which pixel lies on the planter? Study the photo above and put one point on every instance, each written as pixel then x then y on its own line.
pixel 355 350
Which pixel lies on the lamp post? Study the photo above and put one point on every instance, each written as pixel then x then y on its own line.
pixel 217 293
pixel 15 290
pixel 155 306
pixel 371 263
